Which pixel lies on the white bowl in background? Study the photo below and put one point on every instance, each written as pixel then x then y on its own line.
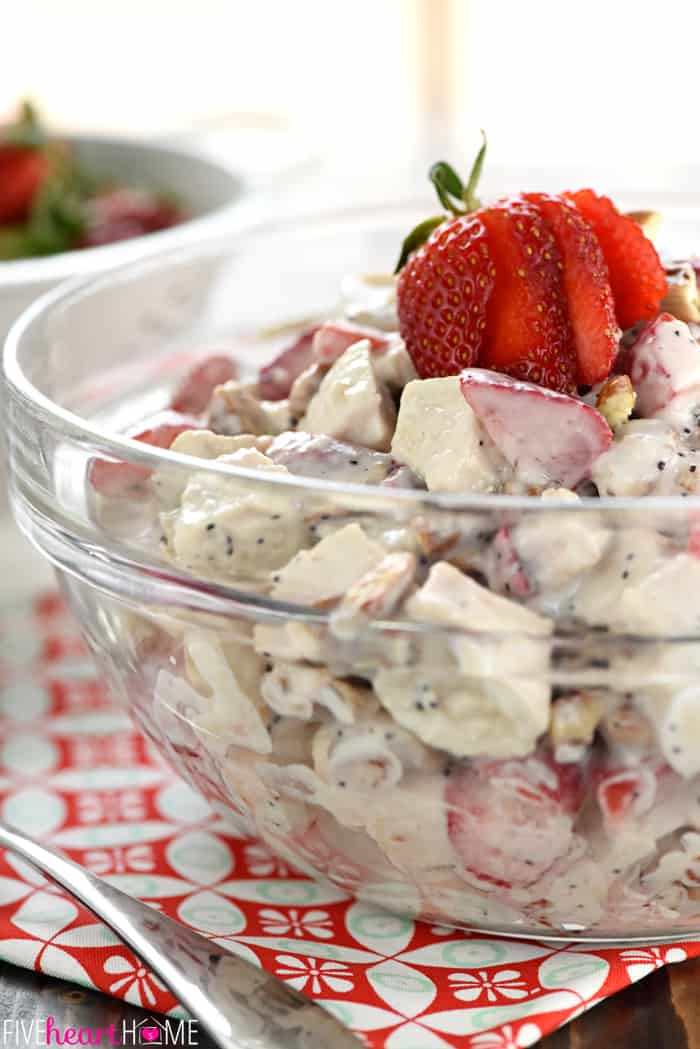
pixel 208 189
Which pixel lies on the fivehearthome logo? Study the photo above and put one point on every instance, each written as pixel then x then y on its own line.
pixel 38 1033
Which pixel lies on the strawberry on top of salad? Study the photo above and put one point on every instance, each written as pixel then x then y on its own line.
pixel 505 322
pixel 49 203
pixel 533 343
pixel 536 286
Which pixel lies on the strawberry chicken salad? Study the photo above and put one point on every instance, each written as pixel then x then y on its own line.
pixel 489 717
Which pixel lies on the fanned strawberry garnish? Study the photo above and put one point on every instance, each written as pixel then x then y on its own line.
pixel 535 286
pixel 587 288
pixel 443 293
pixel 637 277
pixel 528 334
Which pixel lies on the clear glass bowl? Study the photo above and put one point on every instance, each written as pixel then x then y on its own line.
pixel 518 771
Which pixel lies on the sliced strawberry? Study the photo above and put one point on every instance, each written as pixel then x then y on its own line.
pixel 442 295
pixel 276 379
pixel 663 360
pixel 637 276
pixel 586 286
pixel 625 793
pixel 120 214
pixel 334 338
pixel 510 821
pixel 528 334
pixel 23 171
pixel 194 392
pixel 505 572
pixel 117 479
pixel 546 436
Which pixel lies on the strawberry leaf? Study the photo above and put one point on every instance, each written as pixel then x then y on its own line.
pixel 417 237
pixel 27 129
pixel 448 185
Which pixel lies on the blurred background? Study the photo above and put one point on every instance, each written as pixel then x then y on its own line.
pixel 372 90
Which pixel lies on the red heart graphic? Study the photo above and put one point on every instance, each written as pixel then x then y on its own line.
pixel 150 1033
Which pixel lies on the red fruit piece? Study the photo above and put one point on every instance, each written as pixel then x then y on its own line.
pixel 546 436
pixel 122 480
pixel 510 821
pixel 194 392
pixel 442 296
pixel 23 170
pixel 528 334
pixel 663 361
pixel 637 277
pixel 334 338
pixel 626 794
pixel 125 213
pixel 505 572
pixel 586 286
pixel 276 379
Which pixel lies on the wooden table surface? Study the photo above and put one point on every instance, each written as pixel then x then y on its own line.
pixel 660 1012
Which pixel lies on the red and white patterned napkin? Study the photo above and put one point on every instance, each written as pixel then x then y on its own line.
pixel 75 774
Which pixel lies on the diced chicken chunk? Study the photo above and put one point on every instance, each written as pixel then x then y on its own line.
pixel 644 460
pixel 322 575
pixel 352 404
pixel 439 437
pixel 496 700
pixel 664 602
pixel 633 554
pixel 204 444
pixel 236 408
pixel 230 676
pixel 551 549
pixel 393 365
pixel 169 482
pixel 664 678
pixel 226 527
pixel 683 413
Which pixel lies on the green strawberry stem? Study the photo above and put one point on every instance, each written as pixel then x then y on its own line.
pixel 455 197
pixel 27 129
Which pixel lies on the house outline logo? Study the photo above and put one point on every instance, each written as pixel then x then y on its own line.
pixel 151 1031
pixel 144 1028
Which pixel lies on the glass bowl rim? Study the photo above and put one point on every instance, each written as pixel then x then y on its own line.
pixel 126 449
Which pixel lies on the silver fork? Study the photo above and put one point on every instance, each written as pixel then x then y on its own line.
pixel 238 1005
